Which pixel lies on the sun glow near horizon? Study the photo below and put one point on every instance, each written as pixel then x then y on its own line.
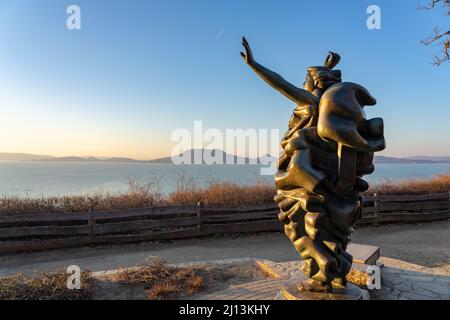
pixel 135 73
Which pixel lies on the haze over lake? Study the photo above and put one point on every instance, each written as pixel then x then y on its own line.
pixel 46 178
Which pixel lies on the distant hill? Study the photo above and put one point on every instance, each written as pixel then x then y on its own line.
pixel 191 154
pixel 69 159
pixel 429 158
pixel 91 159
pixel 384 159
pixel 4 156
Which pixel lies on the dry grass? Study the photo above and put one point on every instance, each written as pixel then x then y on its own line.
pixel 225 194
pixel 69 204
pixel 219 193
pixel 216 193
pixel 45 286
pixel 155 280
pixel 138 196
pixel 162 281
pixel 438 184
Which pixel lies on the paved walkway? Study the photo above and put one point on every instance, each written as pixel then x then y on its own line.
pixel 425 244
pixel 416 259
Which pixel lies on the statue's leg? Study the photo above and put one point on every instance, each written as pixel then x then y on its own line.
pixel 327 264
pixel 344 269
pixel 310 267
pixel 321 251
pixel 326 261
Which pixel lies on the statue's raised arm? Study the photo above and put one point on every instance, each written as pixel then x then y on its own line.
pixel 298 95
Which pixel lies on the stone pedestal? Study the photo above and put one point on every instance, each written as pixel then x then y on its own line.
pixel 290 291
pixel 364 254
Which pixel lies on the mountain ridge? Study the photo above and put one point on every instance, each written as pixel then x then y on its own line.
pixel 192 153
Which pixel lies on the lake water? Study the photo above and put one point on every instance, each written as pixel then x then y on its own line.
pixel 61 178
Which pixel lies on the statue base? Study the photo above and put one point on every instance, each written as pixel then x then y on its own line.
pixel 290 291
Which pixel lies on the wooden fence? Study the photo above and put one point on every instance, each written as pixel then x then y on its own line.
pixel 21 233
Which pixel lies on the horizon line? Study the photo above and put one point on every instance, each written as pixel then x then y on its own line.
pixel 169 156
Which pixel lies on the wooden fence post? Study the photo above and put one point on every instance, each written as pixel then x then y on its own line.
pixel 449 199
pixel 361 208
pixel 200 216
pixel 375 209
pixel 91 223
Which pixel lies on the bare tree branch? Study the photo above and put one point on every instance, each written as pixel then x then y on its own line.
pixel 438 36
pixel 432 4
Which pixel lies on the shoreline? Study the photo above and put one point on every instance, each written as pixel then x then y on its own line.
pixel 150 194
pixel 61 179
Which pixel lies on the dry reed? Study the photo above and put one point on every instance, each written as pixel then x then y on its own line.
pixel 216 193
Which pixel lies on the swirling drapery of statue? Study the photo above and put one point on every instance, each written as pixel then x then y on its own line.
pixel 327 149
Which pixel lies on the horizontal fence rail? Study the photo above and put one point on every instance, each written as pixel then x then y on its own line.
pixel 30 232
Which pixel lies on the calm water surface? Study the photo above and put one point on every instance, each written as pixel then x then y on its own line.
pixel 60 178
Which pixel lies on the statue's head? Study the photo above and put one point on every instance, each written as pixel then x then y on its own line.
pixel 320 78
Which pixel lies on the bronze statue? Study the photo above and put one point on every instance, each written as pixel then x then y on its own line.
pixel 327 149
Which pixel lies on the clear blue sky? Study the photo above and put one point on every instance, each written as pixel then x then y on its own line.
pixel 139 69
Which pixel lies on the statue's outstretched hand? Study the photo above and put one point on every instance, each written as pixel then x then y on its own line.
pixel 298 95
pixel 248 55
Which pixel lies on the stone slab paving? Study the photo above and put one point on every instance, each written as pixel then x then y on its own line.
pixel 406 281
pixel 279 270
pixel 400 280
pixel 266 289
